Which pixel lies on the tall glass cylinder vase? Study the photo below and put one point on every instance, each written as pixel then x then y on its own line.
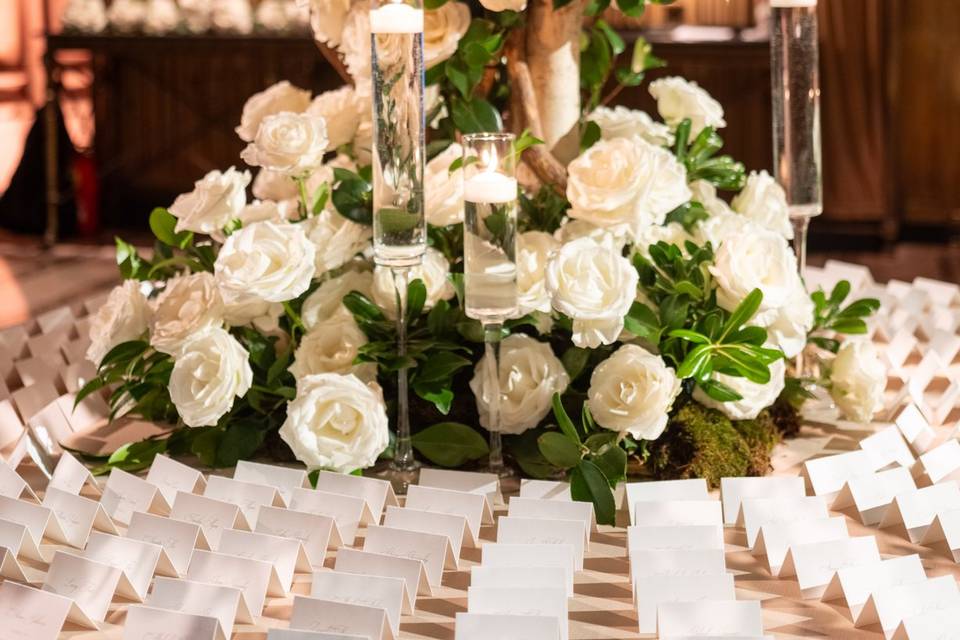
pixel 399 226
pixel 490 260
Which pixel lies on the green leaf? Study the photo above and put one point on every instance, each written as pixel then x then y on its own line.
pixel 744 311
pixel 612 461
pixel 829 344
pixel 441 398
pixel 681 135
pixel 450 444
pixel 433 4
pixel 440 366
pixel 163 224
pixel 689 336
pixel 588 484
pixel 522 143
pixel 352 196
pixel 240 441
pixel 416 298
pixel 559 450
pixel 642 322
pixel 563 420
pixel 475 116
pixel 526 451
pixel 632 8
pixel 574 361
pixel 695 361
pixel 204 446
pixel 124 352
pixel 616 42
pixel 719 391
pixel 132 266
pixel 591 134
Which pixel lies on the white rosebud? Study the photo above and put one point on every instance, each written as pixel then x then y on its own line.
pixel 327 17
pixel 337 240
pixel 788 329
pixel 763 201
pixel 272 261
pixel 215 200
pixel 443 190
pixel 678 99
pixel 632 391
pixel 327 300
pixel 504 5
pixel 331 347
pixel 126 16
pixel 529 376
pixel 336 422
pixel 534 250
pixel 857 380
pixel 211 370
pixel 125 316
pixel 279 98
pixel 162 17
pixel 291 143
pixel 341 109
pixel 89 16
pixel 187 305
pixel 756 396
pixel 622 122
pixel 594 285
pixel 442 30
pixel 434 272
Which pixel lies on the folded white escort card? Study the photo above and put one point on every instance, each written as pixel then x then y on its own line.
pixel 138 560
pixel 170 476
pixel 142 623
pixel 432 549
pixel 774 540
pixel 125 493
pixel 663 490
pixel 676 562
pixel 314 531
pixel 675 513
pixel 756 512
pixel 88 583
pixel 451 525
pixel 255 578
pixel 40 521
pixel 939 464
pixel 382 592
pixel 486 484
pixel 871 495
pixel 734 490
pixel 10 568
pixel 543 601
pixel 13 486
pixel 77 516
pixel 31 614
pixel 512 530
pixel 887 448
pixel 945 532
pixel 299 634
pixel 545 489
pixel 213 516
pixel 314 614
pixel 177 538
pixel 471 506
pixel 246 495
pixel 375 493
pixel 286 555
pixel 667 537
pixel 853 585
pixel 16 537
pixel 71 475
pixel 709 618
pixel 483 626
pixel 531 555
pixel 915 429
pixel 826 476
pixel 930 625
pixel 914 511
pixel 888 606
pixel 652 591
pixel 554 510
pixel 348 512
pixel 367 563
pixel 813 564
pixel 532 577
pixel 223 602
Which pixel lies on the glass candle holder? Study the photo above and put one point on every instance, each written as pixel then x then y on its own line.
pixel 490 258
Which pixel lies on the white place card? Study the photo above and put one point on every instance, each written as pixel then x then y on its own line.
pixel 554 510
pixel 887 448
pixel 40 521
pixel 680 538
pixel 513 530
pixel 652 591
pixel 314 531
pixel 285 555
pixel 10 426
pixel 170 476
pixel 945 344
pixel 125 493
pixel 451 525
pixel 853 585
pixel 255 578
pixel 946 403
pixel 940 463
pixel 89 584
pixel 945 531
pixel 469 505
pixel 734 490
pixel 483 626
pixel 77 516
pixel 314 614
pixel 688 563
pixel 213 516
pixel 710 618
pixel 16 537
pixel 367 563
pixel 283 479
pixel 756 512
pixel 774 540
pixel 349 512
pixel 675 513
pixel 889 606
pixel 663 491
pixel 31 614
pixel 222 602
pixel 142 623
pixel 138 560
pixel 10 568
pixel 71 475
pixel 246 495
pixel 40 397
pixel 430 548
pixel 299 634
pixel 48 426
pixel 75 375
pixel 915 510
pixel 54 319
pixel 826 476
pixel 857 275
pixel 942 293
pixel 375 493
pixel 531 555
pixel 544 601
pixel 83 415
pixel 545 489
pixel 14 486
pixel 930 625
pixel 177 538
pixel 924 373
pixel 382 592
pixel 35 370
pixel 915 429
pixel 14 454
pixel 486 484
pixel 525 577
pixel 813 564
pixel 871 495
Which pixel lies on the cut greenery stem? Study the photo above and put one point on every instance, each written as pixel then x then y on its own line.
pixel 403 460
pixel 491 340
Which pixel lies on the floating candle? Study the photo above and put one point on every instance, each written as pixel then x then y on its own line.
pixel 396 17
pixel 490 187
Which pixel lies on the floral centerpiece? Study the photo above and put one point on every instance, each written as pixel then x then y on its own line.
pixel 656 312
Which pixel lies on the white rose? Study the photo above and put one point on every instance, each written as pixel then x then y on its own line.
pixel 278 98
pixel 188 305
pixel 162 16
pixel 336 239
pixel 756 396
pixel 331 347
pixel 266 210
pixel 327 17
pixel 617 236
pixel 534 250
pixel 763 201
pixel 89 16
pixel 274 15
pixel 672 233
pixel 363 141
pixel 354 43
pixel 244 309
pixel 678 99
pixel 788 329
pixel 327 300
pixel 336 422
pixel 272 261
pixel 595 286
pixel 127 15
pixel 442 30
pixel 211 370
pixel 706 194
pixel 443 191
pixel 231 16
pixel 625 181
pixel 758 260
pixel 529 376
pixel 632 391
pixel 621 122
pixel 196 15
pixel 215 200
pixel 433 272
pixel 504 5
pixel 342 110
pixel 857 380
pixel 123 317
pixel 273 185
pixel 292 143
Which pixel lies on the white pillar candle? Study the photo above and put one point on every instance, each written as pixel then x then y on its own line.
pixel 490 187
pixel 396 18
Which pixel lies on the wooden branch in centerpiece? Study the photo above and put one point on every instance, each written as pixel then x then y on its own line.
pixel 333 58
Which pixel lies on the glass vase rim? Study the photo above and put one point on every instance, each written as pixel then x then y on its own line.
pixel 488 136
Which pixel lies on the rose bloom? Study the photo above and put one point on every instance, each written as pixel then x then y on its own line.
pixel 187 305
pixel 442 30
pixel 336 239
pixel 616 236
pixel 89 16
pixel 231 16
pixel 331 347
pixel 706 194
pixel 763 201
pixel 857 380
pixel 327 18
pixel 625 181
pixel 290 143
pixel 272 261
pixel 504 5
pixel 196 15
pixel 595 286
pixel 529 376
pixel 126 15
pixel 342 110
pixel 125 316
pixel 789 327
pixel 327 300
pixel 280 97
pixel 215 200
pixel 272 185
pixel 621 122
pixel 336 422
pixel 276 15
pixel 248 309
pixel 534 250
pixel 756 397
pixel 355 41
pixel 678 99
pixel 211 370
pixel 632 391
pixel 433 272
pixel 443 190
pixel 162 17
